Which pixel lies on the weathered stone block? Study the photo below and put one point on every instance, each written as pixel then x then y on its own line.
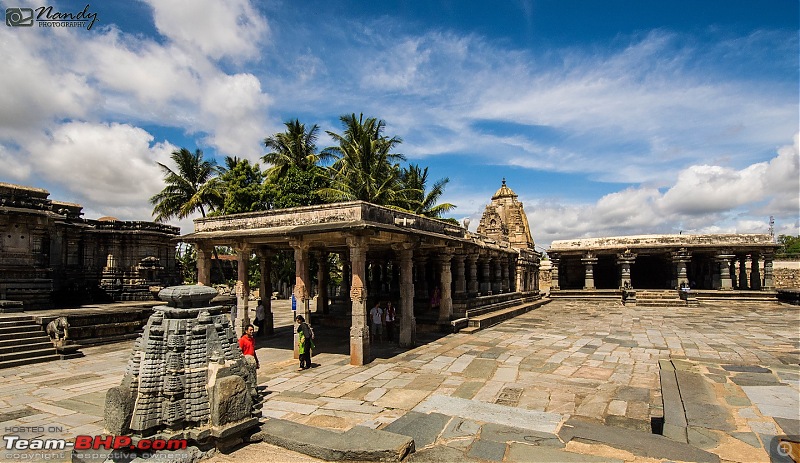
pixel 119 407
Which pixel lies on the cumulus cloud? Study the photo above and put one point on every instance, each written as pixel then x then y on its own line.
pixel 704 199
pixel 109 166
pixel 216 29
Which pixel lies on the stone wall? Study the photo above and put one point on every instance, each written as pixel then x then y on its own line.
pixel 787 278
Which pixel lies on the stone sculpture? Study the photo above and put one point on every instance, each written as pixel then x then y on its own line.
pixel 186 377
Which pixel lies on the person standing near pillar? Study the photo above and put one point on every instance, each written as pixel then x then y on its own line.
pixel 305 342
pixel 261 316
pixel 391 316
pixel 376 318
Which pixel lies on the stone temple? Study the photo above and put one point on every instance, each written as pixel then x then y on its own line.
pixel 50 254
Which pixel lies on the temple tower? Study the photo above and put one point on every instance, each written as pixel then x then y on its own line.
pixel 504 220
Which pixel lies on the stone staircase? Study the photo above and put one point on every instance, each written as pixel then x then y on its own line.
pixel 657 298
pixel 23 342
pixel 486 316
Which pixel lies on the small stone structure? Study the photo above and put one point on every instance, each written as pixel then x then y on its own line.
pixel 710 262
pixel 186 377
pixel 49 253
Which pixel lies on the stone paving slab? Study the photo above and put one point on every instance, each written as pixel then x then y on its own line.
pixel 424 428
pixel 492 413
pixel 636 442
pixel 562 353
pixel 775 401
pixel 356 444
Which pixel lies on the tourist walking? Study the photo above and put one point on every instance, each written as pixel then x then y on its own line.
pixel 305 343
pixel 261 317
pixel 248 344
pixel 376 317
pixel 391 316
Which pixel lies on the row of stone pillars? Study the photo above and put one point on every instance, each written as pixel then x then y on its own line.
pixel 733 272
pixel 726 279
pixel 496 278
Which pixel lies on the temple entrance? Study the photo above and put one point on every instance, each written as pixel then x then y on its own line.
pixel 572 273
pixel 606 273
pixel 652 272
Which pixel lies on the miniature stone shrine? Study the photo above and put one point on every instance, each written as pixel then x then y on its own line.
pixel 186 377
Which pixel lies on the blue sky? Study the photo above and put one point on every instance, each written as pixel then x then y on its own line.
pixel 606 118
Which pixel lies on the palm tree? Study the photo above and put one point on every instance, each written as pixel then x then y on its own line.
pixel 364 167
pixel 191 188
pixel 294 147
pixel 414 181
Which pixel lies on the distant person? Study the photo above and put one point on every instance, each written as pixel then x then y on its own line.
pixel 305 342
pixel 376 317
pixel 261 317
pixel 248 344
pixel 391 316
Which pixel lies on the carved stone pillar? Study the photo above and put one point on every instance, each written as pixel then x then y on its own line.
pixel 265 287
pixel 242 314
pixel 472 285
pixel 359 328
pixel 445 281
pixel 555 260
pixel 408 325
pixel 497 280
pixel 768 276
pixel 504 284
pixel 724 272
pixel 302 278
pixel 461 280
pixel 589 261
pixel 625 260
pixel 680 259
pixel 322 281
pixel 204 252
pixel 486 280
pixel 743 272
pixel 755 273
pixel 521 278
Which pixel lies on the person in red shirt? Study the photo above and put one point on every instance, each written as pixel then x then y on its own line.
pixel 248 344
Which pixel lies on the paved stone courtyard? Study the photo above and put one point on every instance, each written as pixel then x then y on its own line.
pixel 596 362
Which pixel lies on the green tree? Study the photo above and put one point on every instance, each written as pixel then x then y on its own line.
pixel 192 188
pixel 365 168
pixel 299 187
pixel 294 147
pixel 241 187
pixel 186 257
pixel 414 180
pixel 790 245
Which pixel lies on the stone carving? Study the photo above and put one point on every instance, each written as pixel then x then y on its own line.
pixel 358 294
pixel 58 330
pixel 186 377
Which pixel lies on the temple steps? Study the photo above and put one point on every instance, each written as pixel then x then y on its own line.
pixel 487 319
pixel 666 298
pixel 22 342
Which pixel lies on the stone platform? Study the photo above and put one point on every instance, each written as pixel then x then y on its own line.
pixel 585 376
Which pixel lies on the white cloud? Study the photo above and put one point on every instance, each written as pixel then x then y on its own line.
pixel 107 166
pixel 234 106
pixel 216 29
